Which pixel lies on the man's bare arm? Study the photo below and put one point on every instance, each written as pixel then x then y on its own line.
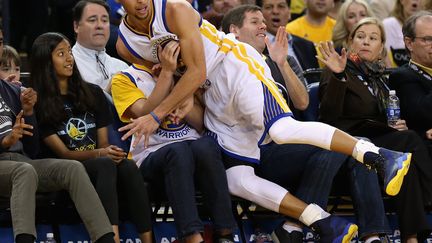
pixel 183 21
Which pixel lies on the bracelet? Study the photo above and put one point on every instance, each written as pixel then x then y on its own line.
pixel 156 118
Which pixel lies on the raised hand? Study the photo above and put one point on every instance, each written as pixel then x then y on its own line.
pixel 142 126
pixel 278 50
pixel 28 100
pixel 335 62
pixel 169 55
pixel 19 129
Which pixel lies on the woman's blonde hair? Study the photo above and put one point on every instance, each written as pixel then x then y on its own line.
pixel 340 30
pixel 367 21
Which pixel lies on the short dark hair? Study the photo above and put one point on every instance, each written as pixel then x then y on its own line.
pixel 236 16
pixel 408 28
pixel 78 9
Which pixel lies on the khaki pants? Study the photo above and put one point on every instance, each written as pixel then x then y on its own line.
pixel 19 180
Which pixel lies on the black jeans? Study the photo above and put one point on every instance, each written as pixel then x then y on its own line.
pixel 308 172
pixel 416 189
pixel 178 166
pixel 110 180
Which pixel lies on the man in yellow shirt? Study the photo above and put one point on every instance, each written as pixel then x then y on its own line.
pixel 315 26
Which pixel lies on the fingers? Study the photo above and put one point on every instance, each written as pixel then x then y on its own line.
pixel 137 139
pixel 146 141
pixel 281 35
pixel 324 48
pixel 10 78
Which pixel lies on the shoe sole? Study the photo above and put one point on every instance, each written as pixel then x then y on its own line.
pixel 349 233
pixel 395 184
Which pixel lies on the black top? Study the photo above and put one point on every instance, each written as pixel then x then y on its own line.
pixel 79 130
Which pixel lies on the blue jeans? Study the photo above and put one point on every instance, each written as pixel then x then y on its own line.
pixel 308 171
pixel 179 165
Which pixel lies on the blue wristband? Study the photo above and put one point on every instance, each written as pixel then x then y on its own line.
pixel 155 117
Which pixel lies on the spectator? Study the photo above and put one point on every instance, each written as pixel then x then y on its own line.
pixel 247 24
pixel 73 117
pixel 335 10
pixel 22 176
pixel 316 25
pixel 276 14
pixel 10 64
pixel 382 8
pixel 217 10
pixel 279 163
pixel 412 81
pixel 353 98
pixel 92 28
pixel 298 8
pixel 397 55
pixel 175 156
pixel 351 12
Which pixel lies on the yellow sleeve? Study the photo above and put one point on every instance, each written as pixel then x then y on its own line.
pixel 124 94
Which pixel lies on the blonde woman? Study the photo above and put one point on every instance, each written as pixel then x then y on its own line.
pixel 350 13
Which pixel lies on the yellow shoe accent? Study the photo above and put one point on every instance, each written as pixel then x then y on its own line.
pixel 395 184
pixel 351 232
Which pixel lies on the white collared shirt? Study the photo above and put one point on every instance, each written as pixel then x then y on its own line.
pixel 92 71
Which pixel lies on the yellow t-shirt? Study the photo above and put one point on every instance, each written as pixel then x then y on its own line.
pixel 302 28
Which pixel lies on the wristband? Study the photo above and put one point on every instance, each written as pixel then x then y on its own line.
pixel 156 118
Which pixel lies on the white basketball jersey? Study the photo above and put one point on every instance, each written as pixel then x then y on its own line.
pixel 144 45
pixel 167 132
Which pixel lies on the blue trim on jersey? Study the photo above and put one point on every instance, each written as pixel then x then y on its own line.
pixel 270 123
pixel 131 78
pixel 230 154
pixel 201 21
pixel 163 15
pixel 130 49
pixel 271 106
pixel 239 157
pixel 152 21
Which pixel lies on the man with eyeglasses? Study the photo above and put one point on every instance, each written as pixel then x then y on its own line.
pixel 92 28
pixel 413 81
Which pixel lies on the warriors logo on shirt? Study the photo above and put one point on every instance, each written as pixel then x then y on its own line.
pixel 76 128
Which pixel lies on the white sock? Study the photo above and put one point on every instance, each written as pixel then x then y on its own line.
pixel 312 213
pixel 290 228
pixel 370 239
pixel 362 147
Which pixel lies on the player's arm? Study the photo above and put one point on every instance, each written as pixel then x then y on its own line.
pixel 183 21
pixel 124 53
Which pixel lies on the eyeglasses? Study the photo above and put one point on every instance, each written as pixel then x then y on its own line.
pixel 424 39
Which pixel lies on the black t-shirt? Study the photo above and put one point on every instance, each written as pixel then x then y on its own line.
pixel 79 130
